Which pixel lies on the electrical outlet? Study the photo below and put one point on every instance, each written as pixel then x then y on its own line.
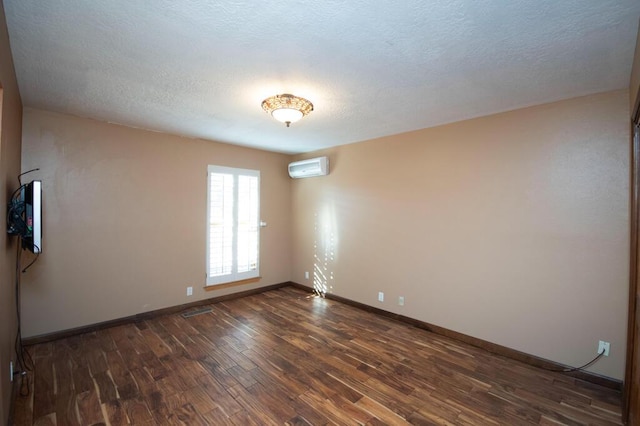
pixel 380 296
pixel 11 370
pixel 189 291
pixel 306 275
pixel 401 300
pixel 603 347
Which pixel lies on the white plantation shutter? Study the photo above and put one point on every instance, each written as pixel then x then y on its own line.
pixel 233 224
pixel 248 223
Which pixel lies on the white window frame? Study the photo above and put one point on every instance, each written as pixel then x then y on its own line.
pixel 234 275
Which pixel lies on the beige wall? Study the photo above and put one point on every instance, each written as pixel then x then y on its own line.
pixel 634 86
pixel 10 143
pixel 511 228
pixel 124 219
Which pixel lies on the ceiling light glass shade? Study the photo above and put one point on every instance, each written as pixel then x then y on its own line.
pixel 287 108
pixel 287 115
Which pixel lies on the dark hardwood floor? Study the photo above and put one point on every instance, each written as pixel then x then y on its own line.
pixel 285 357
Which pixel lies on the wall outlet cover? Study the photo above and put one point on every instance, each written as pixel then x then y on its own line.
pixel 603 347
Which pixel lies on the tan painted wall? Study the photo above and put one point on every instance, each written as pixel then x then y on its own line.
pixel 634 86
pixel 10 145
pixel 124 219
pixel 511 228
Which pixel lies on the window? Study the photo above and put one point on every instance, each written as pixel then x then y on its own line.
pixel 233 224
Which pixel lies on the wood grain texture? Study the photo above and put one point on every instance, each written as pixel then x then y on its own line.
pixel 482 344
pixel 288 357
pixel 631 396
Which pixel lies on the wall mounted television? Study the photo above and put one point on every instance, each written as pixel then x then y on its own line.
pixel 24 216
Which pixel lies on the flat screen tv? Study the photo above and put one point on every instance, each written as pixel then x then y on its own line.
pixel 24 217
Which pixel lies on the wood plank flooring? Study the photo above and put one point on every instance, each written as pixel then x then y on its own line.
pixel 285 357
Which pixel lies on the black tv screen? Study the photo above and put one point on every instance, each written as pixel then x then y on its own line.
pixel 32 240
pixel 25 216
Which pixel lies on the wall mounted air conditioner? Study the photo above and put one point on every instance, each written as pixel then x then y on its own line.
pixel 309 168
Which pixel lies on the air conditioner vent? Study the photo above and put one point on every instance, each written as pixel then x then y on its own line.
pixel 309 168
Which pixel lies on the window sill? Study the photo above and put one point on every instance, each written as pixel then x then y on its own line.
pixel 231 284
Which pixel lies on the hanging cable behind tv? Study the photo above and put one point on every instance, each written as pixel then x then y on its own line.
pixel 24 219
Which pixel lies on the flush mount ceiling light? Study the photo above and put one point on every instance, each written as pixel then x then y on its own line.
pixel 287 108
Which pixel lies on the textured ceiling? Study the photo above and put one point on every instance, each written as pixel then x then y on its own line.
pixel 201 68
